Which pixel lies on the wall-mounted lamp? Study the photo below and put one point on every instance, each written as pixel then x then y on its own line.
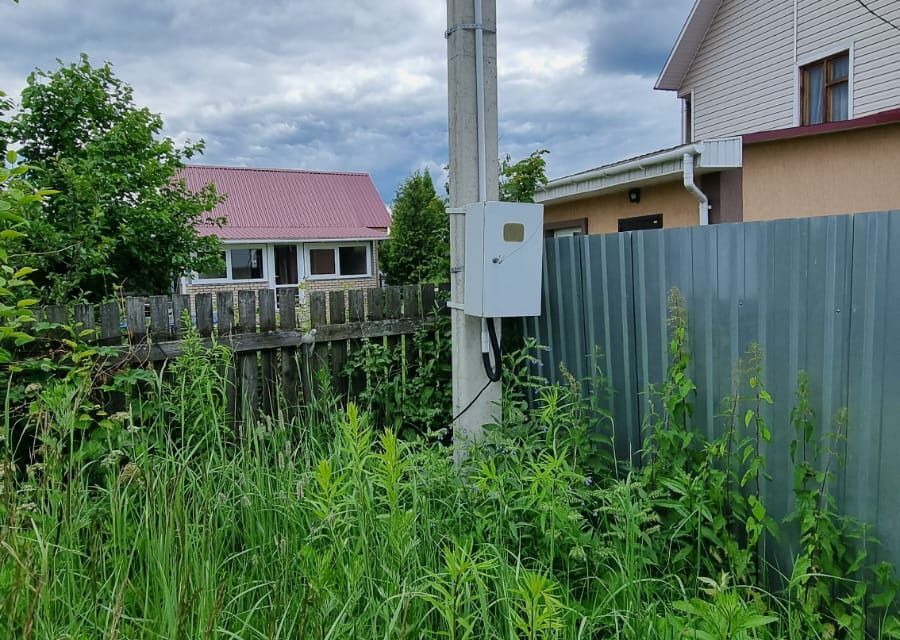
pixel 634 196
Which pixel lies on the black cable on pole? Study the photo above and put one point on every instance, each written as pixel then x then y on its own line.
pixel 878 15
pixel 471 404
pixel 494 372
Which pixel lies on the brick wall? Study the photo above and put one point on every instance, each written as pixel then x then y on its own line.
pixel 309 286
pixel 194 289
pixel 338 285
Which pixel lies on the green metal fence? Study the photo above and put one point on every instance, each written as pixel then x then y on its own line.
pixel 820 295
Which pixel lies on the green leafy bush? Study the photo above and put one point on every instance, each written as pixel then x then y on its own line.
pixel 122 220
pixel 405 384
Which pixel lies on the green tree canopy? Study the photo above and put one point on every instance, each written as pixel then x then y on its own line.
pixel 419 247
pixel 520 180
pixel 121 217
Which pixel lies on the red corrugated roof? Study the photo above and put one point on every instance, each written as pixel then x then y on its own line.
pixel 281 204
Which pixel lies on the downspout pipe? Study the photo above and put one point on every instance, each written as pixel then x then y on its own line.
pixel 691 186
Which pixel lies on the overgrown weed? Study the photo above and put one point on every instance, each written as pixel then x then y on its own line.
pixel 162 521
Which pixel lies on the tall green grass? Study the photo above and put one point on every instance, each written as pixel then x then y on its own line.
pixel 161 524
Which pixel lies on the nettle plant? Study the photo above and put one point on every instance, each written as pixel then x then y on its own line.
pixel 708 494
pixel 405 384
pixel 834 585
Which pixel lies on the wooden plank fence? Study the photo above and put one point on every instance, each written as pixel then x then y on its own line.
pixel 276 360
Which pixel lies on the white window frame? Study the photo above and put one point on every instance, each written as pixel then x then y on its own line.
pixel 815 56
pixel 688 95
pixel 196 279
pixel 334 246
pixel 229 279
pixel 569 232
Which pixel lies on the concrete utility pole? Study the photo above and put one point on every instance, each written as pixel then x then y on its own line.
pixel 473 152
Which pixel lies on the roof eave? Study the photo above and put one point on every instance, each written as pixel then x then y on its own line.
pixel 687 45
pixel 712 155
pixel 300 240
pixel 889 117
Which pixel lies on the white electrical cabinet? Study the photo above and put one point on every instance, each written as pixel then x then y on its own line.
pixel 504 259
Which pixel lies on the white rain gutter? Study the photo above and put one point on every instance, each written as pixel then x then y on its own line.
pixel 625 167
pixel 687 154
pixel 691 186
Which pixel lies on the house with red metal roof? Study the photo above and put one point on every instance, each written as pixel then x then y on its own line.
pixel 313 230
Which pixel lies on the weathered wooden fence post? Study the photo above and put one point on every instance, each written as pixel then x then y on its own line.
pixel 338 315
pixel 287 312
pixel 225 311
pixel 274 369
pixel 247 361
pixel 267 357
pixel 318 316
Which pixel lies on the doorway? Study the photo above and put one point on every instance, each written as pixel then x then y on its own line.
pixel 287 271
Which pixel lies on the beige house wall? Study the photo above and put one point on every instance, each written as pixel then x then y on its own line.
pixel 679 208
pixel 832 174
pixel 742 77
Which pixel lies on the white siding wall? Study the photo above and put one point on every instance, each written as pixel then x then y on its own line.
pixel 826 24
pixel 743 76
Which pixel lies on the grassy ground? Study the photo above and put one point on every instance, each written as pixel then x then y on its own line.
pixel 158 524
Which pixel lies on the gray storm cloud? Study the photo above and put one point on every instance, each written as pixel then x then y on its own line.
pixel 355 85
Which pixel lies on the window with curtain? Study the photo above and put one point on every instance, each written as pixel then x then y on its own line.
pixel 247 264
pixel 688 115
pixel 339 261
pixel 825 87
pixel 321 262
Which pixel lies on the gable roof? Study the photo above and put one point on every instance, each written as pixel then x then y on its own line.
pixel 688 44
pixel 282 204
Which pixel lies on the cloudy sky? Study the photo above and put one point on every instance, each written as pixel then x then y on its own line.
pixel 360 85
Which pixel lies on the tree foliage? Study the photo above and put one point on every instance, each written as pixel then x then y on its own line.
pixel 520 180
pixel 121 219
pixel 419 247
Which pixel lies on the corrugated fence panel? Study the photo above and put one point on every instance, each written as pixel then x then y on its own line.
pixel 561 330
pixel 796 292
pixel 705 325
pixel 609 321
pixel 658 265
pixel 873 442
pixel 820 295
